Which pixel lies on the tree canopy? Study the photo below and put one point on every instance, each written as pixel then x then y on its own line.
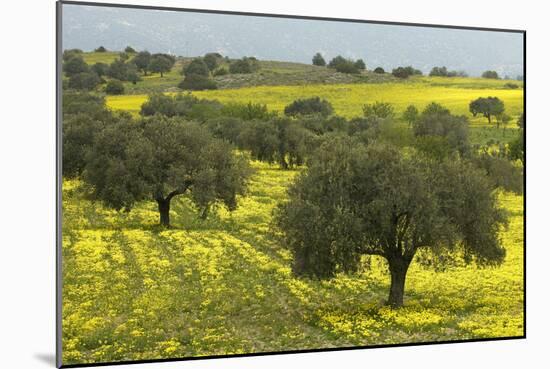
pixel 159 158
pixel 487 106
pixel 356 200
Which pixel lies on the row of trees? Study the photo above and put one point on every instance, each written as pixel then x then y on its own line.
pixel 361 193
pixel 340 64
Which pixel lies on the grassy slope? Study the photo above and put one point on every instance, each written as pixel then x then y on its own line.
pixel 133 291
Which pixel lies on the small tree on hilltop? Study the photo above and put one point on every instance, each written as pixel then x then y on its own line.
pixel 160 158
pixel 318 60
pixel 100 49
pixel 354 200
pixel 129 50
pixel 360 64
pixel 379 70
pixel 491 74
pixel 487 106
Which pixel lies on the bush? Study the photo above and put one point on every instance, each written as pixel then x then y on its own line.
pixel 114 87
pixel 379 70
pixel 184 105
pixel 84 81
pixel 311 106
pixel 511 85
pixel 244 66
pixel 197 82
pixel 129 50
pixel 491 74
pixel 248 111
pixel 220 72
pixel 69 53
pixel 405 72
pixel 100 49
pixel 197 67
pixel 101 69
pixel 379 109
pixel 360 64
pixel 318 60
pixel 75 65
pixel 211 60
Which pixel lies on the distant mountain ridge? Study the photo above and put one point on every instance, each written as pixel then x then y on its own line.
pixel 267 38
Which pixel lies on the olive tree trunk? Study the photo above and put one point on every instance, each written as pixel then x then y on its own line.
pixel 398 269
pixel 164 211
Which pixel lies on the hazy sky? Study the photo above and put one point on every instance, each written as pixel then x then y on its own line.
pixel 193 34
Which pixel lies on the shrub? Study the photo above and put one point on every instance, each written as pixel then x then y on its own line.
pixel 211 60
pixel 360 64
pixel 220 72
pixel 511 85
pixel 405 72
pixel 244 66
pixel 311 106
pixel 75 65
pixel 197 82
pixel 248 111
pixel 100 49
pixel 114 87
pixel 84 81
pixel 379 70
pixel 198 67
pixel 379 109
pixel 101 69
pixel 318 60
pixel 491 74
pixel 129 50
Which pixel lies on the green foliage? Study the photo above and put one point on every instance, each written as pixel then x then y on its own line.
pixel 101 69
pixel 123 71
pixel 248 111
pixel 405 72
pixel 100 49
pixel 129 50
pixel 410 115
pixel 379 70
pixel 197 82
pixel 70 53
pixel 114 87
pixel 487 106
pixel 344 65
pixel 74 65
pixel 378 109
pixel 212 60
pixel 244 66
pixel 500 171
pixel 436 120
pixel 77 102
pixel 161 63
pixel 184 105
pixel 516 149
pixel 281 141
pixel 84 81
pixel 221 72
pixel 196 67
pixel 354 200
pixel 360 64
pixel 490 74
pixel 142 61
pixel 318 60
pixel 511 85
pixel 309 106
pixel 160 158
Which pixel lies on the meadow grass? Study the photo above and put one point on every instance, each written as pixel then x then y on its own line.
pixel 133 290
pixel 106 57
pixel 348 99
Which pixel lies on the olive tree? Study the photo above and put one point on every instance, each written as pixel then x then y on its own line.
pixel 356 200
pixel 160 158
pixel 488 107
pixel 318 60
